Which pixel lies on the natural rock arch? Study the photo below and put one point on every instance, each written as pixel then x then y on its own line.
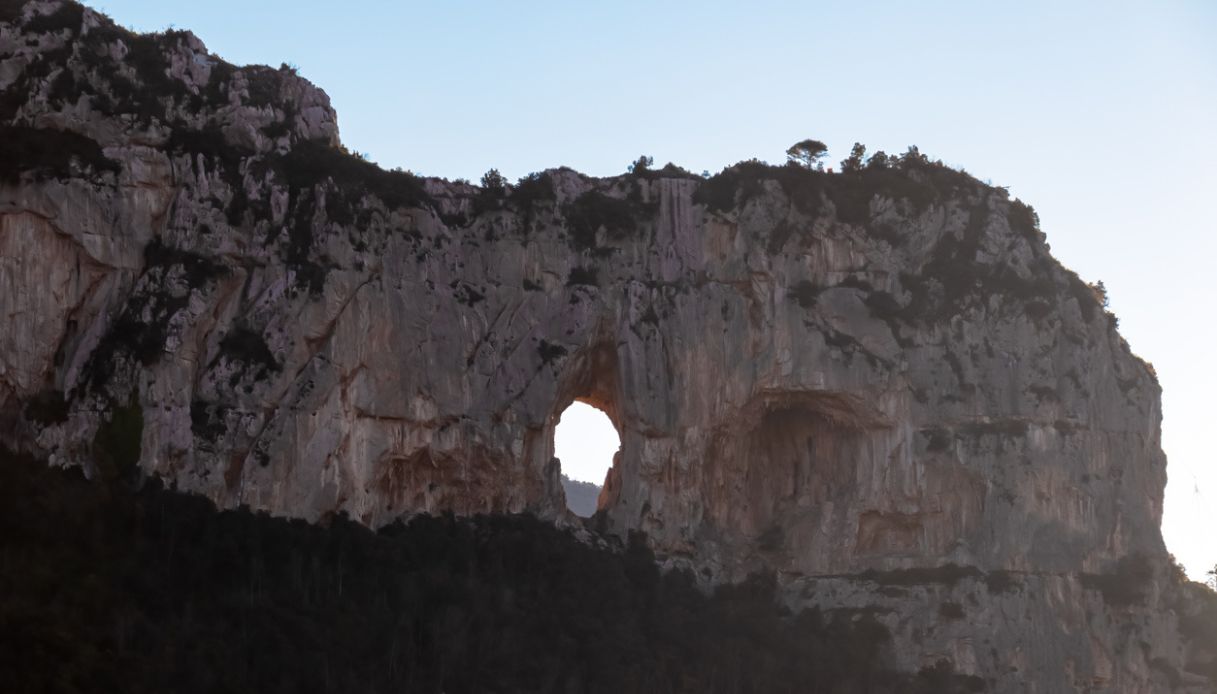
pixel 590 376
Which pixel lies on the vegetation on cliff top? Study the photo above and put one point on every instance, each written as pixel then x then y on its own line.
pixel 139 84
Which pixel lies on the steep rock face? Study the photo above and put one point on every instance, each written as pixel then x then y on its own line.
pixel 837 378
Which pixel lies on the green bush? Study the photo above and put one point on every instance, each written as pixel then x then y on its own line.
pixel 67 17
pixel 1023 219
pixel 493 193
pixel 309 164
pixel 530 193
pixel 248 347
pixel 912 178
pixel 265 84
pixel 594 211
pixel 45 153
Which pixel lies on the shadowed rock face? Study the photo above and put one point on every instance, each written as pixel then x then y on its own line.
pixel 814 374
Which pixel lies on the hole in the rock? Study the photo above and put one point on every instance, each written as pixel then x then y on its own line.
pixel 585 440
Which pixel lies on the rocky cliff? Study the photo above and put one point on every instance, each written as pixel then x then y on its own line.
pixel 877 385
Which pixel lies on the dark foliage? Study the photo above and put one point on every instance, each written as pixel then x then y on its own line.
pixel 883 305
pixel 210 142
pixel 147 54
pixel 207 420
pixel 532 190
pixel 937 440
pixel 68 16
pixel 107 589
pixel 264 85
pixel 854 161
pixel 46 408
pixel 1126 584
pixel 910 178
pixel 941 679
pixel 46 153
pixel 64 89
pixel 218 83
pixel 143 94
pixel 668 170
pixel 309 164
pixel 13 98
pixel 805 293
pixel 276 130
pixel 807 153
pixel 550 351
pixel 197 269
pixel 953 277
pixel 10 10
pixel 1002 582
pixel 947 574
pixel 1088 303
pixel 249 348
pixel 118 443
pixel 734 186
pixel 493 193
pixel 951 610
pixel 582 276
pixel 1024 220
pixel 142 326
pixel 466 294
pixel 308 273
pixel 594 211
pixel 530 194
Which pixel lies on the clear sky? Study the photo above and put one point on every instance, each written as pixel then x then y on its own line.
pixel 1101 114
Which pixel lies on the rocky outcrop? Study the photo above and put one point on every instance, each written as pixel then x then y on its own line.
pixel 877 385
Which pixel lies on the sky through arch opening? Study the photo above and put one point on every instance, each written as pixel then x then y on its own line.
pixel 585 441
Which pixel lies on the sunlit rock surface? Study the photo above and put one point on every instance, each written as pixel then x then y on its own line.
pixel 852 380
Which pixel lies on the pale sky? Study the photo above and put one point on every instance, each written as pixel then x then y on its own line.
pixel 585 442
pixel 1100 114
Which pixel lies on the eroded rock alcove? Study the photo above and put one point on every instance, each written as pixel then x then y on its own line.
pixel 591 378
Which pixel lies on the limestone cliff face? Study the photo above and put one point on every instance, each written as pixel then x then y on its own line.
pixel 853 380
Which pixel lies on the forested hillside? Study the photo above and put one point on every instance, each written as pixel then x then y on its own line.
pixel 111 589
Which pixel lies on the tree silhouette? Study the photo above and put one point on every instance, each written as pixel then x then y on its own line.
pixel 854 162
pixel 807 154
